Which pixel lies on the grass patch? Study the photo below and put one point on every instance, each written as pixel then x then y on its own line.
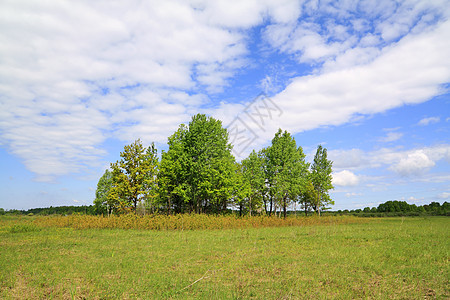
pixel 19 228
pixel 187 222
pixel 401 258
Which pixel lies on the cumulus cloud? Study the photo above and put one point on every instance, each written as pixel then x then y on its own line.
pixel 414 163
pixel 333 98
pixel 78 73
pixel 391 137
pixel 428 121
pixel 407 163
pixel 444 195
pixel 345 178
pixel 347 159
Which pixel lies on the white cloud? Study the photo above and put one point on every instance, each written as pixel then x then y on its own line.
pixel 391 137
pixel 444 195
pixel 351 195
pixel 411 72
pixel 428 121
pixel 77 73
pixel 413 162
pixel 347 159
pixel 345 178
pixel 411 199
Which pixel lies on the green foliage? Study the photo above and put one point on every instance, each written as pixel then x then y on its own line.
pixel 288 169
pixel 104 185
pixel 252 172
pixel 321 178
pixel 308 197
pixel 400 208
pixel 2 211
pixel 197 172
pixel 133 177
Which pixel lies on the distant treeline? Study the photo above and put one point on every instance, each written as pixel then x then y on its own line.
pixel 387 209
pixel 57 210
pixel 399 208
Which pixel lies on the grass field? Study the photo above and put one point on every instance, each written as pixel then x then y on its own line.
pixel 387 258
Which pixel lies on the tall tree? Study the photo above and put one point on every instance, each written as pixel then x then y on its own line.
pixel 172 176
pixel 289 169
pixel 197 170
pixel 308 197
pixel 134 175
pixel 104 185
pixel 253 175
pixel 321 178
pixel 241 190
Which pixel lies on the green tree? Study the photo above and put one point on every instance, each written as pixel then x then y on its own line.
pixel 308 196
pixel 197 171
pixel 253 175
pixel 134 176
pixel 241 190
pixel 104 185
pixel 173 174
pixel 321 170
pixel 2 211
pixel 289 169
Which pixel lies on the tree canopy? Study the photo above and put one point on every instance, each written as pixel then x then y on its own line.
pixel 133 176
pixel 321 178
pixel 198 174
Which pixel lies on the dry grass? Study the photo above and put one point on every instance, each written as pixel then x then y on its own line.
pixel 187 222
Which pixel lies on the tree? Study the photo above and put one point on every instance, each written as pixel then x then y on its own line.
pixel 197 171
pixel 134 176
pixel 267 192
pixel 308 196
pixel 2 211
pixel 289 169
pixel 104 185
pixel 253 175
pixel 242 190
pixel 321 178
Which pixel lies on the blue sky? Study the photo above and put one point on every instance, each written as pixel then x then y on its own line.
pixel 369 80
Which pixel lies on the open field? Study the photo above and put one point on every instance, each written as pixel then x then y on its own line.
pixel 381 258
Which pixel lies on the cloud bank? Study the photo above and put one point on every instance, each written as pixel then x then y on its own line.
pixel 75 74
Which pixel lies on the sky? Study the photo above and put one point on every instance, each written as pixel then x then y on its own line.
pixel 368 80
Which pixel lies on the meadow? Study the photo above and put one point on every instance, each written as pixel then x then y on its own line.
pixel 332 258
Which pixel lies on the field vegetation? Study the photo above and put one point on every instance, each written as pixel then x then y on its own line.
pixel 327 257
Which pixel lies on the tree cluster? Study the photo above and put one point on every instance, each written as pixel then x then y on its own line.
pixel 53 210
pixel 199 174
pixel 400 208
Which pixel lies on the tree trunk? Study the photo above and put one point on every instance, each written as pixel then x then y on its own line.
pixel 318 202
pixel 271 204
pixel 284 207
pixel 265 204
pixel 295 208
pixel 168 207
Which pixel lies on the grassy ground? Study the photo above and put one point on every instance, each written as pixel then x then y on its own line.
pixel 382 259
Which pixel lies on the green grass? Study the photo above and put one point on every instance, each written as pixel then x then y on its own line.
pixel 395 258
